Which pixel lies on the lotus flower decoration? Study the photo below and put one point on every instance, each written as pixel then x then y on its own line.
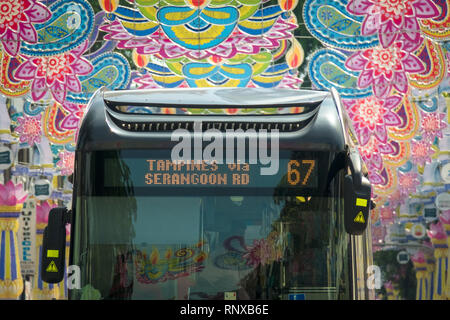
pixel 11 194
pixel 437 232
pixel 42 211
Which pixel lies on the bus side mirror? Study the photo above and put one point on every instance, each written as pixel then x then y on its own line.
pixel 357 193
pixel 53 252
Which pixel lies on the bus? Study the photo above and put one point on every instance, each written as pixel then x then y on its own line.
pixel 174 198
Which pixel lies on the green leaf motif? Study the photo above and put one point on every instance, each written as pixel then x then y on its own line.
pixel 55 32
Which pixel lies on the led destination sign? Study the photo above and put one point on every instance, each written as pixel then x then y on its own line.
pixel 144 172
pixel 165 172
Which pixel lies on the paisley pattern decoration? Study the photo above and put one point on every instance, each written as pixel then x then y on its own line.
pixel 327 69
pixel 388 183
pixel 437 27
pixel 433 57
pixel 395 62
pixel 399 61
pixel 400 155
pixel 10 86
pixel 69 25
pixel 388 59
pixel 111 70
pixel 410 122
pixel 33 109
pixel 335 26
pixel 52 120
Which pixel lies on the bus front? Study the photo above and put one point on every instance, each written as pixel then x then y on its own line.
pixel 201 205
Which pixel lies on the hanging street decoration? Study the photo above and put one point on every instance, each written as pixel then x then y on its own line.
pixel 389 60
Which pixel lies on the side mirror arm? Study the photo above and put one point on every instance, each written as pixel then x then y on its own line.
pixel 354 162
pixel 357 195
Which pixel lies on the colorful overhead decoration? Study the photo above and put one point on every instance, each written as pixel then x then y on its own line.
pixel 17 23
pixel 389 60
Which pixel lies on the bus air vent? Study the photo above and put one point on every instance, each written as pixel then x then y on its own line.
pixel 168 126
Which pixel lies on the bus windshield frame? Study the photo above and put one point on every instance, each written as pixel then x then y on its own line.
pixel 105 213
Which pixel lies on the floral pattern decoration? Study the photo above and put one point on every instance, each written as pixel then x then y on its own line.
pixel 16 22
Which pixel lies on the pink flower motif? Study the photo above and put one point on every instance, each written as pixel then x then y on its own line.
pixel 387 215
pixel 408 182
pixel 384 68
pixel 58 73
pixel 437 232
pixel 393 19
pixel 396 199
pixel 421 151
pixel 371 116
pixel 42 211
pixel 432 125
pixel 29 129
pixel 16 18
pixel 66 163
pixel 11 195
pixel 372 152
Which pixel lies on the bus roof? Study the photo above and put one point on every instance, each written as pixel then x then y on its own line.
pixel 219 97
pixel 319 126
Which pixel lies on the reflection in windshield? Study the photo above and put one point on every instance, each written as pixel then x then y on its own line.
pixel 216 247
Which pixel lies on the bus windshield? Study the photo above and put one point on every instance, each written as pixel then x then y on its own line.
pixel 251 240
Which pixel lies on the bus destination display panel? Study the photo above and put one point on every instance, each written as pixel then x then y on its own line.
pixel 299 171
